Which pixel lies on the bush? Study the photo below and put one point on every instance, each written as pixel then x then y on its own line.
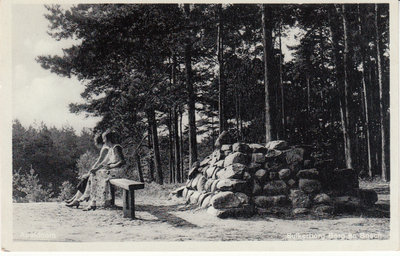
pixel 26 188
pixel 67 191
pixel 18 195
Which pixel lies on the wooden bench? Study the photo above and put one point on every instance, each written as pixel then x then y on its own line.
pixel 128 196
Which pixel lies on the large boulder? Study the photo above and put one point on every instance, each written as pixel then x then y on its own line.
pixel 189 194
pixel 274 156
pixel 244 199
pixel 246 176
pixel 220 163
pixel 207 186
pixel 276 187
pixel 308 174
pixel 184 192
pixel 193 172
pixel 241 147
pixel 323 210
pixel 214 184
pixel 194 197
pixel 253 167
pixel 261 176
pixel 234 171
pixel 300 211
pixel 258 148
pixel 270 201
pixel 178 192
pixel 233 185
pixel 277 144
pixel 243 211
pixel 257 188
pixel 322 199
pixel 202 197
pixel 284 174
pixel 236 157
pixel 224 200
pixel 292 183
pixel 299 199
pixel 224 138
pixel 258 158
pixel 210 171
pixel 195 180
pixel 273 176
pixel 226 147
pixel 206 201
pixel 201 183
pixel 205 161
pixel 294 158
pixel 310 186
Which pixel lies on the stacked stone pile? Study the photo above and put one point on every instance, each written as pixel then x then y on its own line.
pixel 241 179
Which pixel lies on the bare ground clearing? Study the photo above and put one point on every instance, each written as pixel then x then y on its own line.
pixel 170 220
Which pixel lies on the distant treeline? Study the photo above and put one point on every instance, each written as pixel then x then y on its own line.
pixel 52 155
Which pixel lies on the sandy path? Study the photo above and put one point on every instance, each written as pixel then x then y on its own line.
pixel 170 220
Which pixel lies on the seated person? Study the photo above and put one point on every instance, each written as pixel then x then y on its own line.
pixel 78 197
pixel 110 168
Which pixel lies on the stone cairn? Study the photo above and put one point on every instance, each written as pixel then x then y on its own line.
pixel 240 180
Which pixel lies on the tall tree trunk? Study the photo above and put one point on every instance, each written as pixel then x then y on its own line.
pixel 308 96
pixel 191 106
pixel 150 162
pixel 139 167
pixel 267 47
pixel 191 95
pixel 237 113
pixel 364 91
pixel 175 129
pixel 240 117
pixel 221 82
pixel 177 149
pixel 342 86
pixel 212 132
pixel 381 108
pixel 181 144
pixel 172 178
pixel 283 118
pixel 347 92
pixel 156 150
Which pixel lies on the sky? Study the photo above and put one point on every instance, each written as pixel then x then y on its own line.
pixel 39 95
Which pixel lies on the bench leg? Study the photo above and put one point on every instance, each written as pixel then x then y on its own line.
pixel 129 203
pixel 112 188
pixel 132 202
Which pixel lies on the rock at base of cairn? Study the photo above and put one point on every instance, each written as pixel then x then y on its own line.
pixel 300 199
pixel 309 186
pixel 277 144
pixel 276 187
pixel 243 211
pixel 300 211
pixel 270 201
pixel 323 210
pixel 224 200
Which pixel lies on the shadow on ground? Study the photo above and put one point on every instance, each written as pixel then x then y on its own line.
pixel 162 212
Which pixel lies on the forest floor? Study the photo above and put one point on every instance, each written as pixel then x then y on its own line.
pixel 163 219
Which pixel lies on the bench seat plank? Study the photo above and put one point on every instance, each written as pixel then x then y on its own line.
pixel 127 184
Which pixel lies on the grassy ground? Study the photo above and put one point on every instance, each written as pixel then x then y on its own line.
pixel 169 219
